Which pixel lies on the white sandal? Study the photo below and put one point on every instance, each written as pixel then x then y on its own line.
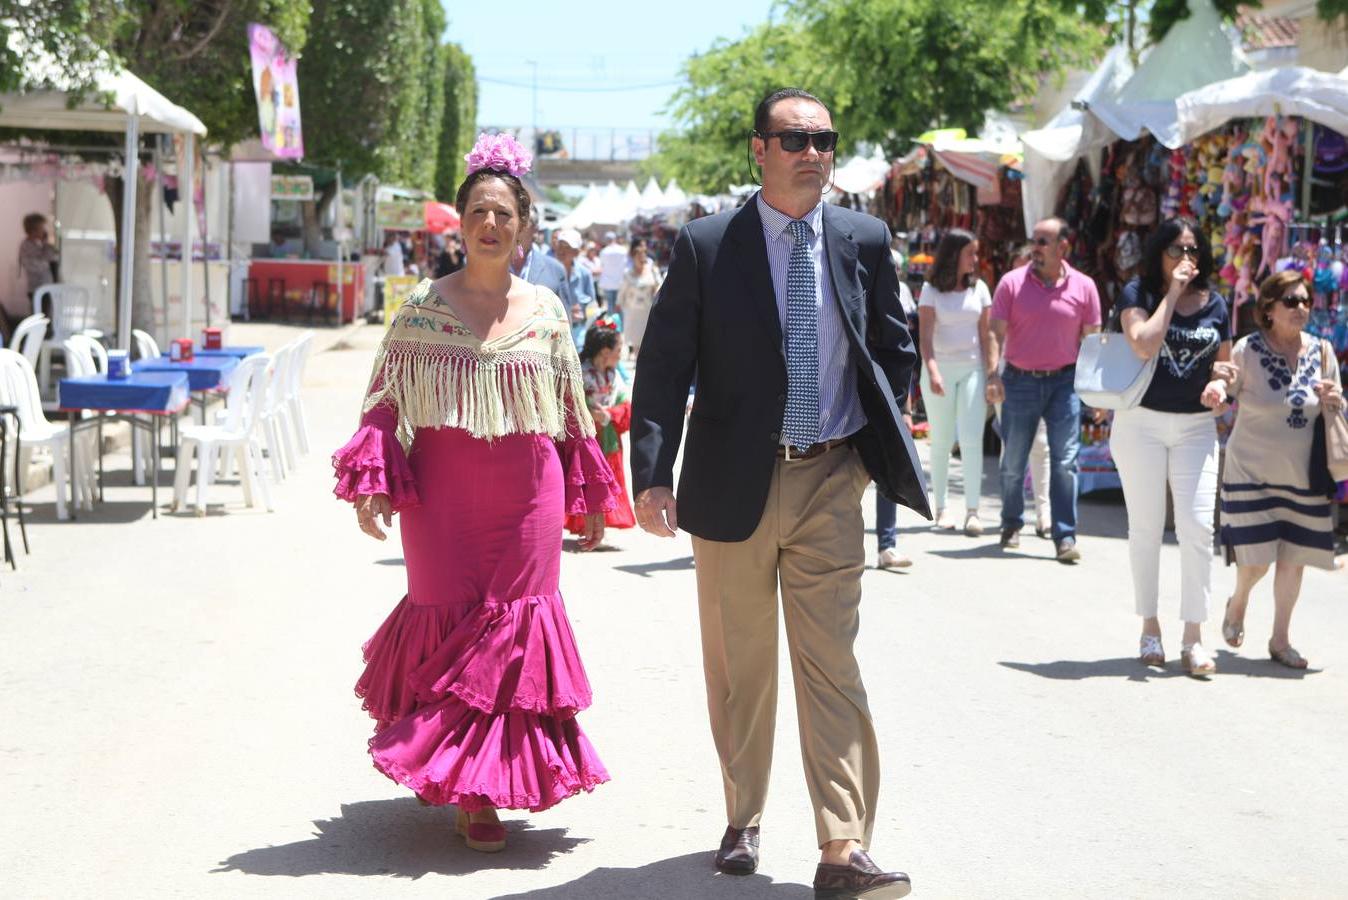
pixel 1150 651
pixel 1197 661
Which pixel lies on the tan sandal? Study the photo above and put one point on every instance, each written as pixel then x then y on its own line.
pixel 1287 656
pixel 484 837
pixel 1234 635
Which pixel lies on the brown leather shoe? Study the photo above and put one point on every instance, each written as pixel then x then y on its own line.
pixel 861 879
pixel 739 851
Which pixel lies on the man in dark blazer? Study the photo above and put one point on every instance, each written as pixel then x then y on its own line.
pixel 787 313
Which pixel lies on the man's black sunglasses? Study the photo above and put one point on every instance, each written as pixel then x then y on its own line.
pixel 795 141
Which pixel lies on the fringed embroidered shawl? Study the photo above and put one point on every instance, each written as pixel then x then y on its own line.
pixel 435 372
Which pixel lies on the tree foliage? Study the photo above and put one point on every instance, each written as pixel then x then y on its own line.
pixel 76 35
pixel 888 69
pixel 363 87
pixel 458 128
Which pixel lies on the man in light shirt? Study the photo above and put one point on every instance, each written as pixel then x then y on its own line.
pixel 613 265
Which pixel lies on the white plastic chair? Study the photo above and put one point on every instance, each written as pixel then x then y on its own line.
pixel 71 313
pixel 18 387
pixel 238 434
pixel 146 346
pixel 85 356
pixel 28 338
pixel 276 411
pixel 294 384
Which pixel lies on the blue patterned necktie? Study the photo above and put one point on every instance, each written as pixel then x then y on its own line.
pixel 801 425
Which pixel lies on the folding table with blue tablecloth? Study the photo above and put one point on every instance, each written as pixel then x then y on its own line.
pixel 143 398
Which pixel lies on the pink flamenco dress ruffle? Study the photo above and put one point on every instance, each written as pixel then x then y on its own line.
pixel 590 485
pixel 480 711
pixel 373 462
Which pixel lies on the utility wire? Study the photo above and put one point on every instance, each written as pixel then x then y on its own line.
pixel 579 90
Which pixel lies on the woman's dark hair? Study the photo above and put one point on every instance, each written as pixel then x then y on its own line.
pixel 1153 278
pixel 1271 290
pixel 522 202
pixel 602 335
pixel 945 268
pixel 637 244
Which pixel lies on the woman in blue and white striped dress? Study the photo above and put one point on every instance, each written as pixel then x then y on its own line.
pixel 1272 515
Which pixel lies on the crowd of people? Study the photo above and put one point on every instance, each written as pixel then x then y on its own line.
pixel 787 323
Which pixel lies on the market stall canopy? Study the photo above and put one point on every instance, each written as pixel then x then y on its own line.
pixel 1119 101
pixel 441 217
pixel 1319 96
pixel 127 95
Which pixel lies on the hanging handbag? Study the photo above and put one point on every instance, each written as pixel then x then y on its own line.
pixel 1109 374
pixel 1329 444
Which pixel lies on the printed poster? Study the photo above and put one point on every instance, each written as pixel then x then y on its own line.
pixel 276 87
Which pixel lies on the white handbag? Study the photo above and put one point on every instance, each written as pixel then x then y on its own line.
pixel 1109 374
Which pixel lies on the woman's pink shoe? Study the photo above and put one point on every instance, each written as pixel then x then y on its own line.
pixel 484 837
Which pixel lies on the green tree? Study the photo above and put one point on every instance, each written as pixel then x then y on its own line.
pixel 888 69
pixel 362 89
pixel 74 34
pixel 708 149
pixel 458 127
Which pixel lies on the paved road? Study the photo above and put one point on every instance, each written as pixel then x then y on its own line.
pixel 176 720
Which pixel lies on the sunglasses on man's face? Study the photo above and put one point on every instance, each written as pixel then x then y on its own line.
pixel 1043 241
pixel 795 141
pixel 1295 301
pixel 1179 251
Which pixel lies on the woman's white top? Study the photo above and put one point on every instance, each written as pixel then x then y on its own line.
pixel 955 338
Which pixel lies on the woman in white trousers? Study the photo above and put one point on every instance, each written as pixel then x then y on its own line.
pixel 1171 437
pixel 953 327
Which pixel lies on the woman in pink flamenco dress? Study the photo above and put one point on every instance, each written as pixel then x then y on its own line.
pixel 483 446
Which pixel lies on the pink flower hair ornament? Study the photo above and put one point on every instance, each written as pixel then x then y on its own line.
pixel 501 153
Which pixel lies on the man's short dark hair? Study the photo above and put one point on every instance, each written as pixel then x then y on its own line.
pixel 763 114
pixel 32 221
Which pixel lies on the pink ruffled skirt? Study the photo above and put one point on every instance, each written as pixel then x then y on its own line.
pixel 475 678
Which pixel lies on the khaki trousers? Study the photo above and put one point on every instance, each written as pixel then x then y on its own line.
pixel 810 542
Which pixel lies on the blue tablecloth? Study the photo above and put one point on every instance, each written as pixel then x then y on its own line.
pixel 238 352
pixel 204 373
pixel 140 391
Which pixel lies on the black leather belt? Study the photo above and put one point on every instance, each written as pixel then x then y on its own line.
pixel 791 454
pixel 1040 373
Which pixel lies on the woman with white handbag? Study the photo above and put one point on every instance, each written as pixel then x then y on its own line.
pixel 1170 314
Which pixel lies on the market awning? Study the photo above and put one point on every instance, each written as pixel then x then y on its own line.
pixel 128 95
pixel 441 217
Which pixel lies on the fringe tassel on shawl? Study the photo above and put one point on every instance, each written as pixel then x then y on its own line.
pixel 489 395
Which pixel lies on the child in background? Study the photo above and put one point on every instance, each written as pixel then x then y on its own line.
pixel 608 397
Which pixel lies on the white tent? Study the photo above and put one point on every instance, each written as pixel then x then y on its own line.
pixel 1319 96
pixel 134 107
pixel 861 174
pixel 1119 101
pixel 675 198
pixel 652 198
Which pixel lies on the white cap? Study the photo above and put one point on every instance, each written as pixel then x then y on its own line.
pixel 571 237
pixel 610 236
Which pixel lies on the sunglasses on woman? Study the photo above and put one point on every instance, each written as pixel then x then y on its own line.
pixel 795 141
pixel 1179 251
pixel 1295 301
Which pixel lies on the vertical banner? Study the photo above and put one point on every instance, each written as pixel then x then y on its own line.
pixel 276 87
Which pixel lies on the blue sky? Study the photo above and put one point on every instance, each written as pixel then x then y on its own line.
pixel 584 46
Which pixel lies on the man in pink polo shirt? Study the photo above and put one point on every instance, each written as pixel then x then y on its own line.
pixel 1040 313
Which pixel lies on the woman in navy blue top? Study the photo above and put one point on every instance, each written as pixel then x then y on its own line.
pixel 1171 311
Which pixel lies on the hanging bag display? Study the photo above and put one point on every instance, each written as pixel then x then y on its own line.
pixel 1109 374
pixel 1329 444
